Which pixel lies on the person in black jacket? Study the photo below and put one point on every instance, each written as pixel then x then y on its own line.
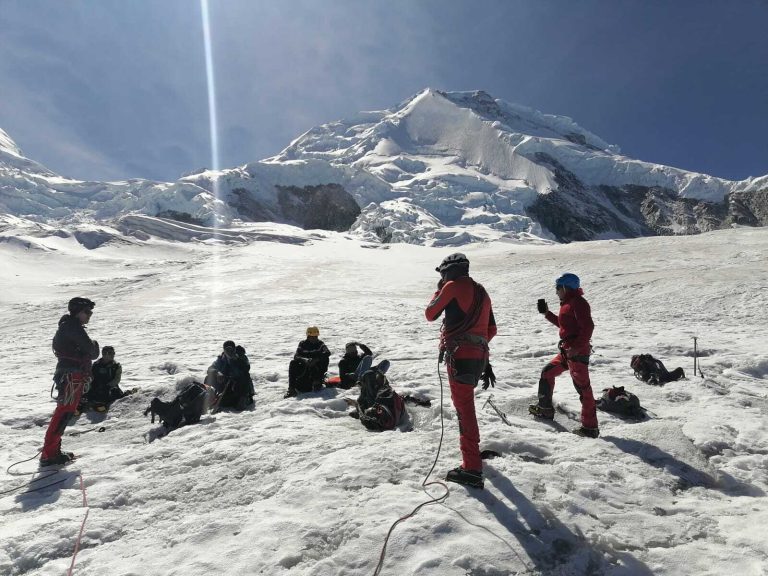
pixel 349 363
pixel 306 371
pixel 105 384
pixel 230 376
pixel 75 351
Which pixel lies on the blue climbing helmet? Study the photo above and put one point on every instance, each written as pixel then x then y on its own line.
pixel 569 281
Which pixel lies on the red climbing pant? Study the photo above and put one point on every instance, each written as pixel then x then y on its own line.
pixel 70 391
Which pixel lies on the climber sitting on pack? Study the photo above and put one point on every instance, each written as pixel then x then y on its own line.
pixel 306 372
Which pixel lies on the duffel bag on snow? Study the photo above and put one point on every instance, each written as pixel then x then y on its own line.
pixel 619 401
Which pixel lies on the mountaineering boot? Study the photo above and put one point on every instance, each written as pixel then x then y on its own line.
pixel 472 478
pixel 543 412
pixel 587 432
pixel 58 459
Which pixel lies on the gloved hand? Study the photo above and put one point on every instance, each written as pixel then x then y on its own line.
pixel 542 306
pixel 488 377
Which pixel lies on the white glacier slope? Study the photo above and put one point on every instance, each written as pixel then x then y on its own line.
pixel 296 487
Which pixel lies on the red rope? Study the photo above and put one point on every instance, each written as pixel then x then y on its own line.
pixel 82 526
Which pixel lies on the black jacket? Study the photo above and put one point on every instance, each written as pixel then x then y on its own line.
pixel 107 375
pixel 348 365
pixel 312 349
pixel 72 346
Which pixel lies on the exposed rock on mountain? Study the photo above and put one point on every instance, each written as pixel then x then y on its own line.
pixel 326 206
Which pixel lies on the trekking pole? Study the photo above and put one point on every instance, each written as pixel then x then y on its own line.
pixel 695 353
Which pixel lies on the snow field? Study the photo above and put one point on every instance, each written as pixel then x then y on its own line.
pixel 297 487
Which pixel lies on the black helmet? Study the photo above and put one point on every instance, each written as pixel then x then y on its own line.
pixel 78 304
pixel 455 259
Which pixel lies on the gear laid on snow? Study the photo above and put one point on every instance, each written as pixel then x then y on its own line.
pixel 620 401
pixel 498 411
pixel 489 454
pixel 379 407
pixel 652 371
pixel 187 408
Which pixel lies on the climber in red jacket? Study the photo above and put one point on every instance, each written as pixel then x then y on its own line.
pixel 468 326
pixel 576 327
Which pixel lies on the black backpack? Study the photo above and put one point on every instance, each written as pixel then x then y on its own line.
pixel 652 370
pixel 187 407
pixel 648 369
pixel 620 401
pixel 379 406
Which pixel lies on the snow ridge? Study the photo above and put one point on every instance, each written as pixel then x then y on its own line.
pixel 441 168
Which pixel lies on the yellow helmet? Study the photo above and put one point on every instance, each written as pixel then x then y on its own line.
pixel 313 331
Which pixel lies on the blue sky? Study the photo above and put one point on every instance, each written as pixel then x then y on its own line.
pixel 107 89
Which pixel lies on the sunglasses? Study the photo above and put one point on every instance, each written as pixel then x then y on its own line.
pixel 88 312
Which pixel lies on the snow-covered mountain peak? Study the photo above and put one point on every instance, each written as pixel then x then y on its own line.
pixel 440 168
pixel 12 158
pixel 8 145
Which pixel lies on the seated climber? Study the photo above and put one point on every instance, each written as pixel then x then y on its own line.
pixel 105 382
pixel 230 377
pixel 349 363
pixel 306 371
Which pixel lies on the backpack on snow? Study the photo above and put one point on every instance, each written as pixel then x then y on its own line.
pixel 379 406
pixel 188 407
pixel 619 401
pixel 652 371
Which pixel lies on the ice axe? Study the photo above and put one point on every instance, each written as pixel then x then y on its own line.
pixel 496 409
